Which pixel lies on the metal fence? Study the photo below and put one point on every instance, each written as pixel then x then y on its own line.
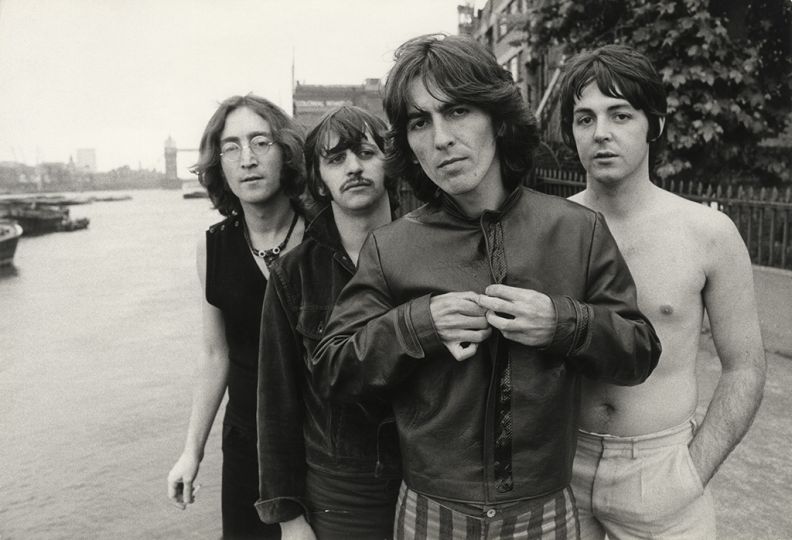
pixel 761 215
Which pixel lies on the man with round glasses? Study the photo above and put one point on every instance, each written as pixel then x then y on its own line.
pixel 251 163
pixel 259 145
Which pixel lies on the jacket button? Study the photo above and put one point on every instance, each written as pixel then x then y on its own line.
pixel 491 513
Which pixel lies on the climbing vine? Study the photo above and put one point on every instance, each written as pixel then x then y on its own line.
pixel 727 74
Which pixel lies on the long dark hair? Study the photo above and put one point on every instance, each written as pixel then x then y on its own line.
pixel 287 134
pixel 466 73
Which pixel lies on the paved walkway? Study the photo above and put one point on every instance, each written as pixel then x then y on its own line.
pixel 753 488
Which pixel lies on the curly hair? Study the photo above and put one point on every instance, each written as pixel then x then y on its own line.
pixel 351 124
pixel 287 134
pixel 465 72
pixel 619 72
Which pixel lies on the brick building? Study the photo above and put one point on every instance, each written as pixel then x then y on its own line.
pixel 490 26
pixel 311 101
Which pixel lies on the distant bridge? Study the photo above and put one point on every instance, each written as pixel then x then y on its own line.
pixel 171 167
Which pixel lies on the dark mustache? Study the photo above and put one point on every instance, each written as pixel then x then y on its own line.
pixel 354 181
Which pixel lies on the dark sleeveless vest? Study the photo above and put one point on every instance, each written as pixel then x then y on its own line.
pixel 235 285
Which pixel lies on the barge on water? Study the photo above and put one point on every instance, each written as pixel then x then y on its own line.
pixel 36 219
pixel 10 231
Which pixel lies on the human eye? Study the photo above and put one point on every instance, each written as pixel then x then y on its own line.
pixel 366 152
pixel 622 116
pixel 417 124
pixel 583 120
pixel 459 111
pixel 230 150
pixel 335 159
pixel 260 143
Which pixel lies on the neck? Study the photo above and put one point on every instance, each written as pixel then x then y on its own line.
pixel 268 218
pixel 354 227
pixel 621 199
pixel 474 204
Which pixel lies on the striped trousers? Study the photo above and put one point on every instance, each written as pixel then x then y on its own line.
pixel 548 518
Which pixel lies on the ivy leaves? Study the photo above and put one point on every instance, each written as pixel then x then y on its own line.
pixel 727 79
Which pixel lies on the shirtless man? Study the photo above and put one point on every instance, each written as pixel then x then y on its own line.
pixel 642 466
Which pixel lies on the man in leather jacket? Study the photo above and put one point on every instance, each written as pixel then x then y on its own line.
pixel 326 470
pixel 477 314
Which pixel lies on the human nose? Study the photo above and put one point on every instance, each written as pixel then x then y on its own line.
pixel 353 165
pixel 602 130
pixel 442 134
pixel 247 158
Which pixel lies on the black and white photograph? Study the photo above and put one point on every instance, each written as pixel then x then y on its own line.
pixel 395 269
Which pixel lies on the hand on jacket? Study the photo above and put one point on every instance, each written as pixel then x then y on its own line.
pixel 460 322
pixel 522 315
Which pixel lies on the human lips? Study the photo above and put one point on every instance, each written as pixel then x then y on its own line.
pixel 604 154
pixel 252 178
pixel 449 161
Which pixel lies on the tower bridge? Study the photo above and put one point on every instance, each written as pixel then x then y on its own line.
pixel 171 167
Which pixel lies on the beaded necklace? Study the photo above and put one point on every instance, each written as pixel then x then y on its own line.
pixel 269 255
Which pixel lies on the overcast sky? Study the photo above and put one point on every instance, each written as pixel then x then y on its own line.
pixel 121 76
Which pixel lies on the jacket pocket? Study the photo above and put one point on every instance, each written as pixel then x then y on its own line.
pixel 311 325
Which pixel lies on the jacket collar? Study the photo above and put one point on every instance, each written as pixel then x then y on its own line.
pixel 323 230
pixel 450 206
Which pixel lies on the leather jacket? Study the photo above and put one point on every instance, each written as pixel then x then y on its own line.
pixel 500 426
pixel 297 428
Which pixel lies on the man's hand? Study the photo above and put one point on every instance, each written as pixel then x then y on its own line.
pixel 181 490
pixel 460 322
pixel 297 529
pixel 522 315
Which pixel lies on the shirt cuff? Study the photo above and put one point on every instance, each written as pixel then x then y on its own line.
pixel 423 326
pixel 280 509
pixel 571 329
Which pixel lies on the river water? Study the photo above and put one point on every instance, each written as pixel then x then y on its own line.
pixel 98 333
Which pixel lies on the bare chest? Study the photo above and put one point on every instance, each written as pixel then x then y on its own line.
pixel 667 266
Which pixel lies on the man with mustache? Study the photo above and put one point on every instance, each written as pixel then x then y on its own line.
pixel 642 465
pixel 477 314
pixel 327 470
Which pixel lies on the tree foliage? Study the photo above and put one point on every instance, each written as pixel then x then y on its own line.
pixel 728 80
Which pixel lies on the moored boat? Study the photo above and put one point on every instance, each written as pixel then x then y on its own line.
pixel 36 219
pixel 10 231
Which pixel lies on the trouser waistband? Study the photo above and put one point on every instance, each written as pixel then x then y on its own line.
pixel 673 436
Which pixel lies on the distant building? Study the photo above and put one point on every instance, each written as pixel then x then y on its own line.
pixel 86 160
pixel 490 26
pixel 312 101
pixel 171 151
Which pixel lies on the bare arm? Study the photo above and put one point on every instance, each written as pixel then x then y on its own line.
pixel 209 386
pixel 731 306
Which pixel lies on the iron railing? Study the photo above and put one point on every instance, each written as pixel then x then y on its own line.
pixel 762 215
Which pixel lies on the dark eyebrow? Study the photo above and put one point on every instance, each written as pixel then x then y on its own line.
pixel 249 136
pixel 445 107
pixel 416 113
pixel 609 109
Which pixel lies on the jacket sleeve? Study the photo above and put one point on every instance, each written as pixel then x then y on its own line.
pixel 605 336
pixel 370 344
pixel 279 414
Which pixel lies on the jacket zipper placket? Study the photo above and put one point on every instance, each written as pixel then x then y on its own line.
pixel 489 413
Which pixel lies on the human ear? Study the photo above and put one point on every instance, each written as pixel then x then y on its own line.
pixel 661 124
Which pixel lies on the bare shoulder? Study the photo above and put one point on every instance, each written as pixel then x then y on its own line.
pixel 714 234
pixel 705 222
